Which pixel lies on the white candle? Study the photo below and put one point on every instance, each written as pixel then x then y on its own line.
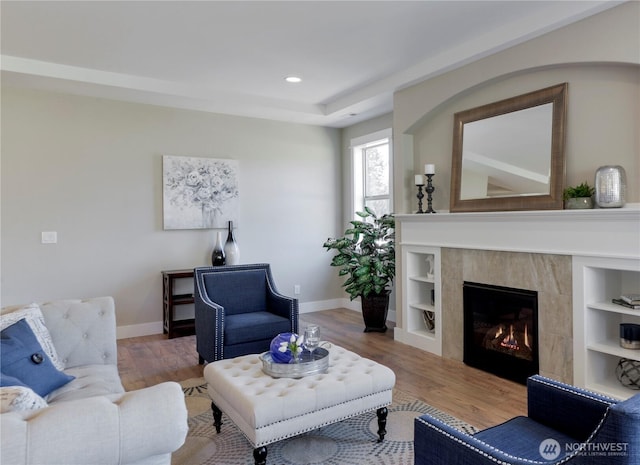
pixel 419 180
pixel 429 169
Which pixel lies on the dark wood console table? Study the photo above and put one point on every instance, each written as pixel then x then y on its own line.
pixel 172 327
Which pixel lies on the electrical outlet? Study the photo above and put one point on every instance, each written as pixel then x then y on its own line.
pixel 296 289
pixel 49 237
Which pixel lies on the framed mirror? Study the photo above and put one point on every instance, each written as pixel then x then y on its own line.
pixel 509 155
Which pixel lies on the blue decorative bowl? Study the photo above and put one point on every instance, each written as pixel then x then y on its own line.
pixel 276 355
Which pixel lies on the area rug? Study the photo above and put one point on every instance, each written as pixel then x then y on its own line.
pixel 349 442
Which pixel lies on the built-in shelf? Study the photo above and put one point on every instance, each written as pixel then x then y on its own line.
pixel 422 279
pixel 429 308
pixel 421 308
pixel 613 348
pixel 596 321
pixel 614 308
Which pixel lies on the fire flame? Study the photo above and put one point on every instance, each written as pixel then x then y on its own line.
pixel 510 341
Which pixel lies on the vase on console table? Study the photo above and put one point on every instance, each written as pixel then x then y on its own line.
pixel 231 250
pixel 217 256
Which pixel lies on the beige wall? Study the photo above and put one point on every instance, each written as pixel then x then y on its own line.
pixel 600 59
pixel 91 170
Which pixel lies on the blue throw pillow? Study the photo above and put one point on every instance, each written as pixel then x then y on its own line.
pixel 22 357
pixel 6 380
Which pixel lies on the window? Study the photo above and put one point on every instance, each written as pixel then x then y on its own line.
pixel 372 172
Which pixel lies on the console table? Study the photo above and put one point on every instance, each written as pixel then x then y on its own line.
pixel 172 297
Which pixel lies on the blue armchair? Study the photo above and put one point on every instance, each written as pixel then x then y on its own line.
pixel 238 311
pixel 565 425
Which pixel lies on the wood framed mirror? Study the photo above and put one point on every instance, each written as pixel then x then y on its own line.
pixel 509 155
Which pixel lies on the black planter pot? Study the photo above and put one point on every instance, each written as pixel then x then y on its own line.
pixel 374 312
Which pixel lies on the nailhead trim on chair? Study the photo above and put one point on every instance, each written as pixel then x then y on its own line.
pixel 218 349
pixel 475 449
pixel 218 315
pixel 573 390
pixel 547 382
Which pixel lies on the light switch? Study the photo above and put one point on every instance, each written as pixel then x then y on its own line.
pixel 49 237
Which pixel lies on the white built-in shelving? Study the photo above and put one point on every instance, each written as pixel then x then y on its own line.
pixel 603 244
pixel 421 307
pixel 596 321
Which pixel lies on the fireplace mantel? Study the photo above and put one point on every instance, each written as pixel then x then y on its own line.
pixel 612 232
pixel 565 255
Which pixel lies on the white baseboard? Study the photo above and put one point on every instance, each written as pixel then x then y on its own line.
pixel 143 329
pixel 148 329
pixel 310 307
pixel 320 305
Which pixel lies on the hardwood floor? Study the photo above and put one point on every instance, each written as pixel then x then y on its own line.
pixel 474 396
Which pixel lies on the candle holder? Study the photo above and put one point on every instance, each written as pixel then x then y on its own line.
pixel 420 197
pixel 429 190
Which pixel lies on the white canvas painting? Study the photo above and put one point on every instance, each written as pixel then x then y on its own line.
pixel 199 193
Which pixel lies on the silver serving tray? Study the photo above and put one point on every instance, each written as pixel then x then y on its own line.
pixel 306 366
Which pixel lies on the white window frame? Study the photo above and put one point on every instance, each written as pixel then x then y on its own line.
pixel 357 168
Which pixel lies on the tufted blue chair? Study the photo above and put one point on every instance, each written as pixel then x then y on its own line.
pixel 565 425
pixel 238 311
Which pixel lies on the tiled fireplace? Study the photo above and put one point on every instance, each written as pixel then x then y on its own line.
pixel 528 250
pixel 549 275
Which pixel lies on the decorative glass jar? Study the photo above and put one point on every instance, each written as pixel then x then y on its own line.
pixel 611 186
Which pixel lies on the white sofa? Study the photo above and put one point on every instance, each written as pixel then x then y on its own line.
pixel 92 420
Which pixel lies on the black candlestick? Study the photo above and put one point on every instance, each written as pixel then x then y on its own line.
pixel 429 190
pixel 420 197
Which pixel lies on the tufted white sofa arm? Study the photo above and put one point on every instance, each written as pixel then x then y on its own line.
pixel 142 426
pixel 83 331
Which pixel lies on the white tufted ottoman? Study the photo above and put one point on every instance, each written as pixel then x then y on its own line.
pixel 269 409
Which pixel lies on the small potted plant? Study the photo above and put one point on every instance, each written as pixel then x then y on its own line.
pixel 366 254
pixel 580 196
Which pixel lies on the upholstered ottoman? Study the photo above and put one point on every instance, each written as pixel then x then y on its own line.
pixel 269 409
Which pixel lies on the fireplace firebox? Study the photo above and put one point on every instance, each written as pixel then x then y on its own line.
pixel 501 330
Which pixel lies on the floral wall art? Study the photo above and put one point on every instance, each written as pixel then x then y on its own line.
pixel 199 193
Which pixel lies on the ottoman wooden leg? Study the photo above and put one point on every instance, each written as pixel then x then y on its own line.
pixel 382 423
pixel 217 417
pixel 260 455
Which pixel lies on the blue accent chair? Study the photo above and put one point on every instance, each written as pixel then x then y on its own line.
pixel 565 425
pixel 238 311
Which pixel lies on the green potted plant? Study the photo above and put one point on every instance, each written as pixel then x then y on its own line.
pixel 366 254
pixel 579 196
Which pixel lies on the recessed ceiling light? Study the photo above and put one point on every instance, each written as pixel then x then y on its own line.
pixel 293 79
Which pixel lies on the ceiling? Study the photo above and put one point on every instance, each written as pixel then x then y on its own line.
pixel 232 56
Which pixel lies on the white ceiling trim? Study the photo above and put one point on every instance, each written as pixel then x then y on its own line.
pixel 350 107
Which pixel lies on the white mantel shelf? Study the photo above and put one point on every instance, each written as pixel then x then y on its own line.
pixel 610 232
